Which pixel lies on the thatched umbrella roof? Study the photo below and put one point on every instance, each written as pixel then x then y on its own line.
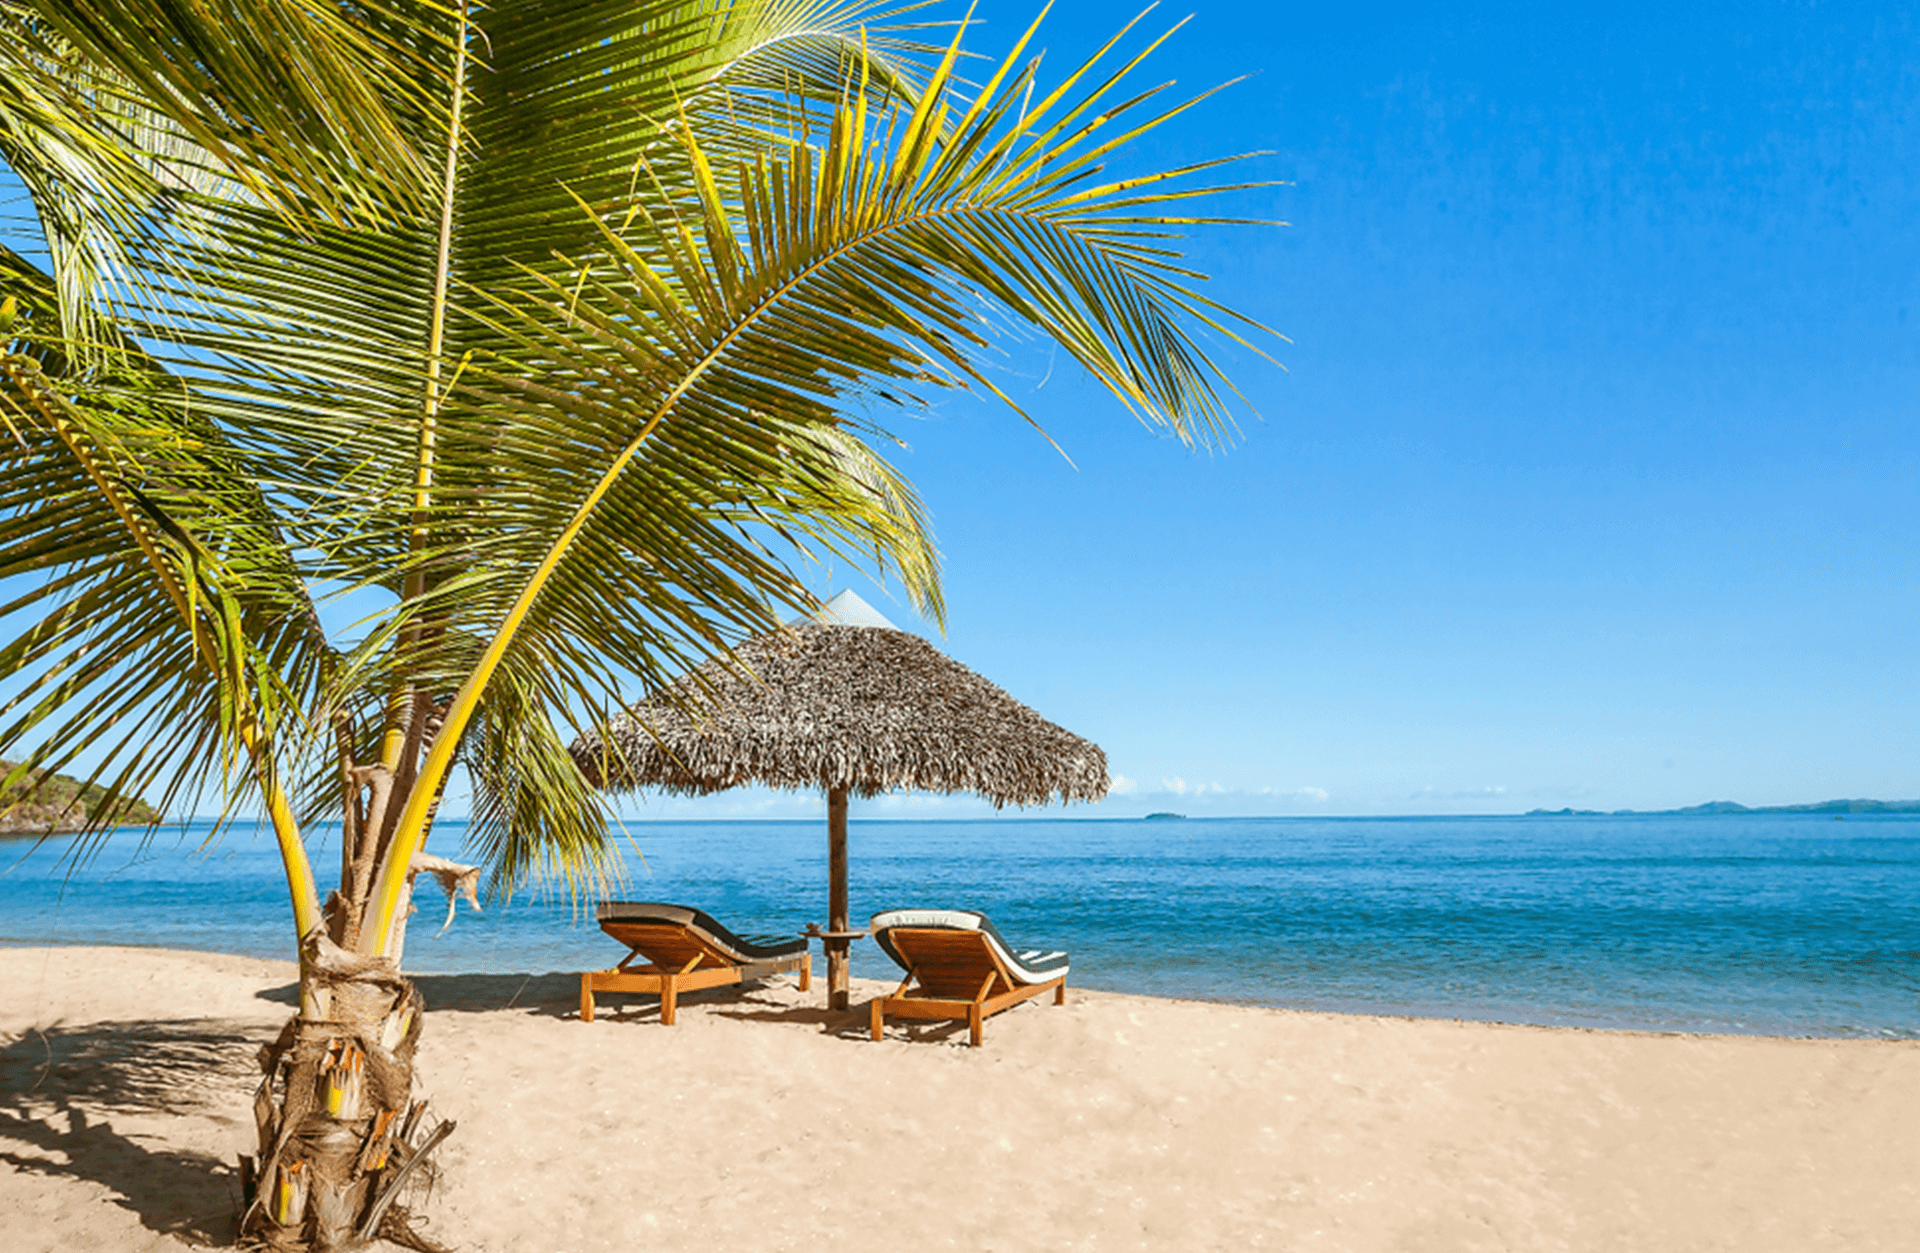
pixel 860 709
pixel 852 707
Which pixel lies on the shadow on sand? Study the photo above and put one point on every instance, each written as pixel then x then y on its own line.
pixel 554 994
pixel 847 1024
pixel 62 1092
pixel 558 996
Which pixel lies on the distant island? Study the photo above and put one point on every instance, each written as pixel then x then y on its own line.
pixel 1163 817
pixel 61 804
pixel 1733 807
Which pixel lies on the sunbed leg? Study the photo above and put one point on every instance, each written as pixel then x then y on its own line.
pixel 806 972
pixel 669 996
pixel 586 998
pixel 974 1020
pixel 1060 993
pixel 879 1018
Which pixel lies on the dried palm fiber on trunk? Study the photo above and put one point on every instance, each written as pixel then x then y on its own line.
pixel 340 1136
pixel 866 709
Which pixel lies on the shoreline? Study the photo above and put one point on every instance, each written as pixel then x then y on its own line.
pixel 763 1121
pixel 1887 1035
pixel 1698 930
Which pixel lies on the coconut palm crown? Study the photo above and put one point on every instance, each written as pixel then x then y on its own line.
pixel 546 332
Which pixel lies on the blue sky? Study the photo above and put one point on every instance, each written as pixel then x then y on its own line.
pixel 1590 480
pixel 1590 477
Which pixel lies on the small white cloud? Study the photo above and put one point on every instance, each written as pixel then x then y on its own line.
pixel 1464 794
pixel 1296 794
pixel 1176 785
pixel 1120 785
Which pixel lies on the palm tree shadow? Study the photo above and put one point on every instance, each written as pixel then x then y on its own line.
pixel 558 996
pixel 62 1091
pixel 553 994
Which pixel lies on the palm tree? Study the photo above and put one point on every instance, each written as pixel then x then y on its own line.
pixel 548 329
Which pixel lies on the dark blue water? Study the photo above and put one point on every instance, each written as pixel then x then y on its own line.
pixel 1779 925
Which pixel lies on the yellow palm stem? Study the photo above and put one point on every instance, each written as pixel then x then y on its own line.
pixel 393 743
pixel 376 938
pixel 286 833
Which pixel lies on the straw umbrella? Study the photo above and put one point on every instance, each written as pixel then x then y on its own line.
pixel 850 706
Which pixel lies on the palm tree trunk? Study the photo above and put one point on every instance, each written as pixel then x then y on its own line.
pixel 341 1135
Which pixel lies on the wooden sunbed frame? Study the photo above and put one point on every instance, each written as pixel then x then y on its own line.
pixel 958 973
pixel 679 959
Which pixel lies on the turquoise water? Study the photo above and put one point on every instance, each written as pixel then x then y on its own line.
pixel 1772 924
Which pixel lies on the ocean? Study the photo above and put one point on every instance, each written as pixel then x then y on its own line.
pixel 1752 924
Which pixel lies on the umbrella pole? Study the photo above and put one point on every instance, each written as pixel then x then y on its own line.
pixel 838 994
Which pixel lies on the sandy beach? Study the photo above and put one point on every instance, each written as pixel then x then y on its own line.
pixel 761 1121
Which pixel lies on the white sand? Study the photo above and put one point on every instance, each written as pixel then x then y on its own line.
pixel 1115 1122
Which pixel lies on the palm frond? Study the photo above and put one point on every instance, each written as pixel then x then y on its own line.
pixel 534 817
pixel 645 426
pixel 316 108
pixel 164 628
pixel 582 391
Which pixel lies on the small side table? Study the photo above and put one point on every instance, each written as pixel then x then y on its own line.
pixel 837 944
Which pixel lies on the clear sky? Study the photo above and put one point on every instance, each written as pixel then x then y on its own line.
pixel 1591 476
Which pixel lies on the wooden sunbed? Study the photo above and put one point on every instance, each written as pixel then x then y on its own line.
pixel 685 950
pixel 958 967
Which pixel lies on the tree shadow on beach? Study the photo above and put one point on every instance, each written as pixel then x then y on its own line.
pixel 553 994
pixel 558 996
pixel 62 1092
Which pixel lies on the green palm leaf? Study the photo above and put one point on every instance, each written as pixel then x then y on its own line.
pixel 166 630
pixel 593 385
pixel 661 395
pixel 296 100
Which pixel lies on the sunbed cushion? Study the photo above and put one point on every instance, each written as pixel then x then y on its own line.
pixel 1028 965
pixel 740 948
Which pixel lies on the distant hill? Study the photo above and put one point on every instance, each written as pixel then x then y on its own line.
pixel 61 803
pixel 1734 807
